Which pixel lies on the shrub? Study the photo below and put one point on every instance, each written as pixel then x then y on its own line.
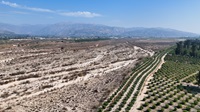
pixel 179 106
pixel 148 110
pixel 145 104
pixel 188 108
pixel 153 107
pixel 140 108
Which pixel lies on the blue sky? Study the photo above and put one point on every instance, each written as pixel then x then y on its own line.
pixel 177 14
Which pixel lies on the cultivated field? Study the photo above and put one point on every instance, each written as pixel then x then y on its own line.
pixel 172 87
pixel 61 75
pixel 125 97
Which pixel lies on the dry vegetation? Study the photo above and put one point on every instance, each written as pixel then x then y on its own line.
pixel 59 75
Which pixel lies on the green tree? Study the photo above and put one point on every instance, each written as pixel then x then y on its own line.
pixel 198 78
pixel 194 50
pixel 185 52
pixel 179 48
pixel 187 44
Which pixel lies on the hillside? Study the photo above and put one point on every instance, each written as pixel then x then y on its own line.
pixel 85 30
pixel 5 32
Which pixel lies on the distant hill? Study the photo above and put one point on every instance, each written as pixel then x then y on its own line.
pixel 4 32
pixel 71 29
pixel 85 30
pixel 158 32
pixel 21 29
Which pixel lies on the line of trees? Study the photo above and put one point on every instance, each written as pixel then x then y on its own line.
pixel 188 48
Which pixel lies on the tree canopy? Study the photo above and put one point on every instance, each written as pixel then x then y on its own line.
pixel 188 48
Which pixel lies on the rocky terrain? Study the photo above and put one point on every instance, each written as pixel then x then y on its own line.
pixel 59 75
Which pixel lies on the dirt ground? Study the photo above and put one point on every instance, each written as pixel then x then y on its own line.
pixel 60 75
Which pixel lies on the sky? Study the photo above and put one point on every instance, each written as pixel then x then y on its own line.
pixel 176 14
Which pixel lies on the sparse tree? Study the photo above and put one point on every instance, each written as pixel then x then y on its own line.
pixel 198 78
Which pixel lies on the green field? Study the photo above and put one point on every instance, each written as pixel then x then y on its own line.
pixel 125 96
pixel 173 88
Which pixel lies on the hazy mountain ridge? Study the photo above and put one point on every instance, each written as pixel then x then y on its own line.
pixel 6 32
pixel 80 29
pixel 158 32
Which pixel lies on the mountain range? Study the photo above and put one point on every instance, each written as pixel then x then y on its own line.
pixel 88 30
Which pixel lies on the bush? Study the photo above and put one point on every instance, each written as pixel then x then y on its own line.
pixel 148 110
pixel 166 106
pixel 140 108
pixel 145 104
pixel 153 107
pixel 188 108
pixel 179 106
pixel 158 103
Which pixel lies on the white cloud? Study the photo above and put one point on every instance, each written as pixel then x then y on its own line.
pixel 38 9
pixel 15 5
pixel 10 4
pixel 80 14
pixel 72 14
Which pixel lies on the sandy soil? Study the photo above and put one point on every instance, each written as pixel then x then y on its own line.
pixel 33 78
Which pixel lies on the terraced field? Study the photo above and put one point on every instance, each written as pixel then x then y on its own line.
pixel 124 98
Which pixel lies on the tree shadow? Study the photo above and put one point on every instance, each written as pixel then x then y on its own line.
pixel 191 89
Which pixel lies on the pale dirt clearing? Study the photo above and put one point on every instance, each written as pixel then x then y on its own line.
pixel 31 74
